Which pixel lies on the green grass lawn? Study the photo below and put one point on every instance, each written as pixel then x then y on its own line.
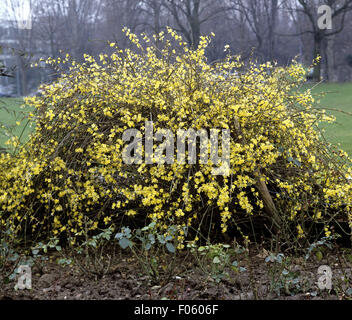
pixel 11 113
pixel 338 96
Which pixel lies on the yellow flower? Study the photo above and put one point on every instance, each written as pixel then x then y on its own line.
pixel 300 232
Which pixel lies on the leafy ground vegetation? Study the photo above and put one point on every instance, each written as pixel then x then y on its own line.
pixel 73 209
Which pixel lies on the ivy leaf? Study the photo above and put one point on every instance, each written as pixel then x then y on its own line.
pixel 297 163
pixel 151 238
pixel 161 239
pixel 170 247
pixel 216 260
pixel 124 243
pixel 14 257
pixel 285 272
pixel 127 231
pixel 118 236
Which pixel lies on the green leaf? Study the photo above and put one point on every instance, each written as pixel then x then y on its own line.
pixel 161 239
pixel 216 260
pixel 151 238
pixel 64 261
pixel 319 255
pixel 124 243
pixel 106 236
pixel 234 268
pixel 13 275
pixel 118 236
pixel 14 257
pixel 150 226
pixel 170 247
pixel 297 163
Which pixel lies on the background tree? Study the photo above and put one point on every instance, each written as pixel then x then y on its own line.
pixel 321 37
pixel 261 16
pixel 190 15
pixel 262 29
pixel 23 47
pixel 117 14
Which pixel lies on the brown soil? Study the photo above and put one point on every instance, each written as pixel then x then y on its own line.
pixel 126 280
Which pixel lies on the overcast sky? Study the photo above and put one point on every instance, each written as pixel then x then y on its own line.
pixel 6 8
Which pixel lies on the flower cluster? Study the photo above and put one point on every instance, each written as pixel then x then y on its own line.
pixel 70 177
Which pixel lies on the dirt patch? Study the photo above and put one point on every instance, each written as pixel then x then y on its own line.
pixel 255 278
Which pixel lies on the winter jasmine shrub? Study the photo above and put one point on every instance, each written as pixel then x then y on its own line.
pixel 71 177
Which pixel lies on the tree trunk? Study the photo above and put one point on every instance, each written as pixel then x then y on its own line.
pixel 157 27
pixel 73 18
pixel 330 58
pixel 22 77
pixel 317 52
pixel 272 27
pixel 195 32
